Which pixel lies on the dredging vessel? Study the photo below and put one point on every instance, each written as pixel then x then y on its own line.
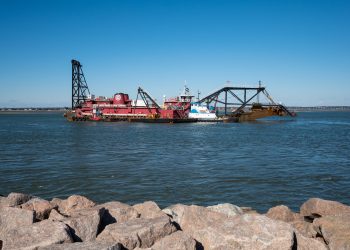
pixel 87 107
pixel 181 109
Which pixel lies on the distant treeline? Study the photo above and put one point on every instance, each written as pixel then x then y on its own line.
pixel 35 109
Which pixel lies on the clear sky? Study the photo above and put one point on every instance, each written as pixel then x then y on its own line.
pixel 299 49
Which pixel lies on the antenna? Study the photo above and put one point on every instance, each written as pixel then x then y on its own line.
pixel 186 91
pixel 198 93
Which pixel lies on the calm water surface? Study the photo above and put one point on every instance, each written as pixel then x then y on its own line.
pixel 259 164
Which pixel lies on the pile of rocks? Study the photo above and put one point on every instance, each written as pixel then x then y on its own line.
pixel 28 222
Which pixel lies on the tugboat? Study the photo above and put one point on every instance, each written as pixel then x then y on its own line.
pixel 201 112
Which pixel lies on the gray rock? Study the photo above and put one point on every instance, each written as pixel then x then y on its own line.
pixel 175 212
pixel 84 246
pixel 148 209
pixel 282 213
pixel 117 212
pixel 13 218
pixel 226 208
pixel 39 234
pixel 219 231
pixel 138 232
pixel 304 243
pixel 72 203
pixel 176 241
pixel 41 207
pixel 304 228
pixel 14 199
pixel 56 216
pixel 83 223
pixel 335 230
pixel 56 202
pixel 316 207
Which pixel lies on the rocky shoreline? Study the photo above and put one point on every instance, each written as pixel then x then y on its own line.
pixel 28 222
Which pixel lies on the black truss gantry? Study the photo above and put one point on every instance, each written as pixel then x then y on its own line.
pixel 80 88
pixel 249 93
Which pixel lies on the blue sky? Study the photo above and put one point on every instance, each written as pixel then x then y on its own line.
pixel 299 49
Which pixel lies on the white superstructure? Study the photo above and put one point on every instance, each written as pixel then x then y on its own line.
pixel 201 112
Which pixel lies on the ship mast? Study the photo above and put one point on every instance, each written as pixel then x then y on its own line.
pixel 198 93
pixel 80 89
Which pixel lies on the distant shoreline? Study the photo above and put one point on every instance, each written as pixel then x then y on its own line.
pixel 320 109
pixel 31 110
pixel 21 112
pixel 63 109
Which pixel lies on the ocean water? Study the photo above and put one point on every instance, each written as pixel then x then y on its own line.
pixel 257 164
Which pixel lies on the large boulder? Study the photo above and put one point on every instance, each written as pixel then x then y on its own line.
pixel 13 218
pixel 41 207
pixel 84 223
pixel 175 212
pixel 282 213
pixel 304 228
pixel 148 209
pixel 84 246
pixel 316 207
pixel 39 234
pixel 14 199
pixel 56 216
pixel 227 208
pixel 335 229
pixel 251 231
pixel 138 232
pixel 117 212
pixel 72 203
pixel 176 241
pixel 305 243
pixel 219 231
pixel 57 202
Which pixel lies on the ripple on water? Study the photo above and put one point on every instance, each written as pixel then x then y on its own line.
pixel 258 164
